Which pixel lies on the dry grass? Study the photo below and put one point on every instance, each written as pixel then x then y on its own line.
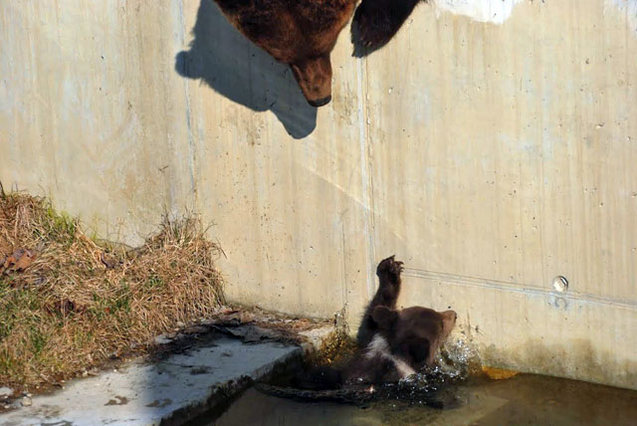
pixel 336 349
pixel 78 302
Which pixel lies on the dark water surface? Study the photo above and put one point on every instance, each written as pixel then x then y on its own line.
pixel 522 400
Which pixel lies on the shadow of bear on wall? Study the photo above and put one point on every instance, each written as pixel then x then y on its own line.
pixel 234 67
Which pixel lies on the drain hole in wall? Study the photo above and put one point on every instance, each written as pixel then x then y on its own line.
pixel 560 283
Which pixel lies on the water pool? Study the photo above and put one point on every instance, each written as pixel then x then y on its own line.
pixel 521 400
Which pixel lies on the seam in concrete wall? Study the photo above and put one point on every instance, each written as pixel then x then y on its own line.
pixel 366 179
pixel 468 281
pixel 181 26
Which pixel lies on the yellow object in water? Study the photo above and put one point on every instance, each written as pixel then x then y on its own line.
pixel 498 373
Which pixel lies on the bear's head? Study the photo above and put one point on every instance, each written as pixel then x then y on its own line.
pixel 414 334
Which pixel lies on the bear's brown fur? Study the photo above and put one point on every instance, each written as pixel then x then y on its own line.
pixel 378 21
pixel 301 33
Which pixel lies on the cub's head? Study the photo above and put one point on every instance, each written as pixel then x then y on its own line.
pixel 414 334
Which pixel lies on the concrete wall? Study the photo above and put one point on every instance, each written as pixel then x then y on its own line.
pixel 492 147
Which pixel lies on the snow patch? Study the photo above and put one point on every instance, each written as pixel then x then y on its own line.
pixel 494 11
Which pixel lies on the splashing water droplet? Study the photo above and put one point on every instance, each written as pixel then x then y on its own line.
pixel 457 360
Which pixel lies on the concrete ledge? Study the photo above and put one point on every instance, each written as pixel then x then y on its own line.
pixel 171 391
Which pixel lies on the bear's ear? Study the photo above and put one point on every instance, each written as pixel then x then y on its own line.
pixel 384 317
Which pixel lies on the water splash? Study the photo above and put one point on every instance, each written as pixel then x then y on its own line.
pixel 457 360
pixel 434 386
pixel 459 357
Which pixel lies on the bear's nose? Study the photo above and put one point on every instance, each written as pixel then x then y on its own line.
pixel 320 102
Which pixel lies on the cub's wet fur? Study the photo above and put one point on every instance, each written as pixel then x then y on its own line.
pixel 388 272
pixel 393 343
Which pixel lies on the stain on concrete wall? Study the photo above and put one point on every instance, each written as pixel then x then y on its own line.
pixel 490 158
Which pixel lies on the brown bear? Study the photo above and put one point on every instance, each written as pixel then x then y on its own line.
pixel 301 33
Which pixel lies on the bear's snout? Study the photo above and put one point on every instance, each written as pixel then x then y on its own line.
pixel 320 102
pixel 315 79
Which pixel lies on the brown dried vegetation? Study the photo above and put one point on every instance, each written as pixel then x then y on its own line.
pixel 72 303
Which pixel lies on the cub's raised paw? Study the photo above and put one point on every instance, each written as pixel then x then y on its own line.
pixel 376 21
pixel 390 268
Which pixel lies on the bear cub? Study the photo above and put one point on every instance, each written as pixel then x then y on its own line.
pixel 392 344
